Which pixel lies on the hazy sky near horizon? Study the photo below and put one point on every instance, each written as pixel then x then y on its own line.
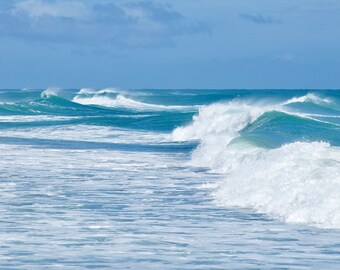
pixel 170 44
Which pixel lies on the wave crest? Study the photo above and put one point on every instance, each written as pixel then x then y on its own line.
pixel 123 102
pixel 297 182
pixel 49 92
pixel 309 97
pixel 220 120
pixel 90 91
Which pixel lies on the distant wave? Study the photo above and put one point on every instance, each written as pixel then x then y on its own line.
pixel 309 97
pixel 102 91
pixel 111 90
pixel 33 118
pixel 123 102
pixel 50 92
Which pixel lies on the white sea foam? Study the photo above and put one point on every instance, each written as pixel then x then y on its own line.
pixel 49 92
pixel 111 90
pixel 85 133
pixel 102 91
pixel 298 183
pixel 215 126
pixel 309 97
pixel 33 118
pixel 122 102
pixel 86 91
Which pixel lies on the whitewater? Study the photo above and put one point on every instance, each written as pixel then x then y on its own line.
pixel 169 179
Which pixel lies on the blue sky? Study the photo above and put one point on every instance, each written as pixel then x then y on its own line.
pixel 170 44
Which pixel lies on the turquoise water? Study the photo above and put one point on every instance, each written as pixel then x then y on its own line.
pixel 169 179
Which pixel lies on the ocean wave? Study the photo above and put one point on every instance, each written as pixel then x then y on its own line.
pixel 123 102
pixel 90 91
pixel 111 90
pixel 33 118
pixel 49 92
pixel 298 182
pixel 310 97
pixel 228 120
pixel 81 132
pixel 220 120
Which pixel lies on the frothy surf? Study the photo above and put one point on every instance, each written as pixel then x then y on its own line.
pixel 49 92
pixel 268 148
pixel 121 101
pixel 310 97
pixel 297 182
pixel 121 179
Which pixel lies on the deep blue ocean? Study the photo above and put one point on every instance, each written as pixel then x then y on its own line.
pixel 169 179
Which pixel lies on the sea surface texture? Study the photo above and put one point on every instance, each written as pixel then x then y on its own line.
pixel 169 179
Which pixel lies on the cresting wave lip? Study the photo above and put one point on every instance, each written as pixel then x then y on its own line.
pixel 309 97
pixel 298 182
pixel 50 92
pixel 42 108
pixel 121 101
pixel 111 90
pixel 229 118
pixel 102 91
pixel 220 120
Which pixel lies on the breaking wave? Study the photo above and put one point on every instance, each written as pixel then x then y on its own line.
pixel 298 182
pixel 277 162
pixel 120 101
pixel 49 92
pixel 102 91
pixel 309 97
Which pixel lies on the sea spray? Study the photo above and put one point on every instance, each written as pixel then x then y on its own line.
pixel 298 182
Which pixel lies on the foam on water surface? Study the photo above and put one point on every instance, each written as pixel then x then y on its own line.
pixel 120 101
pixel 110 209
pixel 169 179
pixel 297 182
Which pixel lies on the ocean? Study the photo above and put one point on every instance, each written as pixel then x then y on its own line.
pixel 169 179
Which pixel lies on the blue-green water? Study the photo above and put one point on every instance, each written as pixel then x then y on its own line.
pixel 169 179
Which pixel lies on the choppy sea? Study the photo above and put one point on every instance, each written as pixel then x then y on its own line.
pixel 169 179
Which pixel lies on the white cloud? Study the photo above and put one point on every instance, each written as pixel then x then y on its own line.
pixel 130 24
pixel 40 8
